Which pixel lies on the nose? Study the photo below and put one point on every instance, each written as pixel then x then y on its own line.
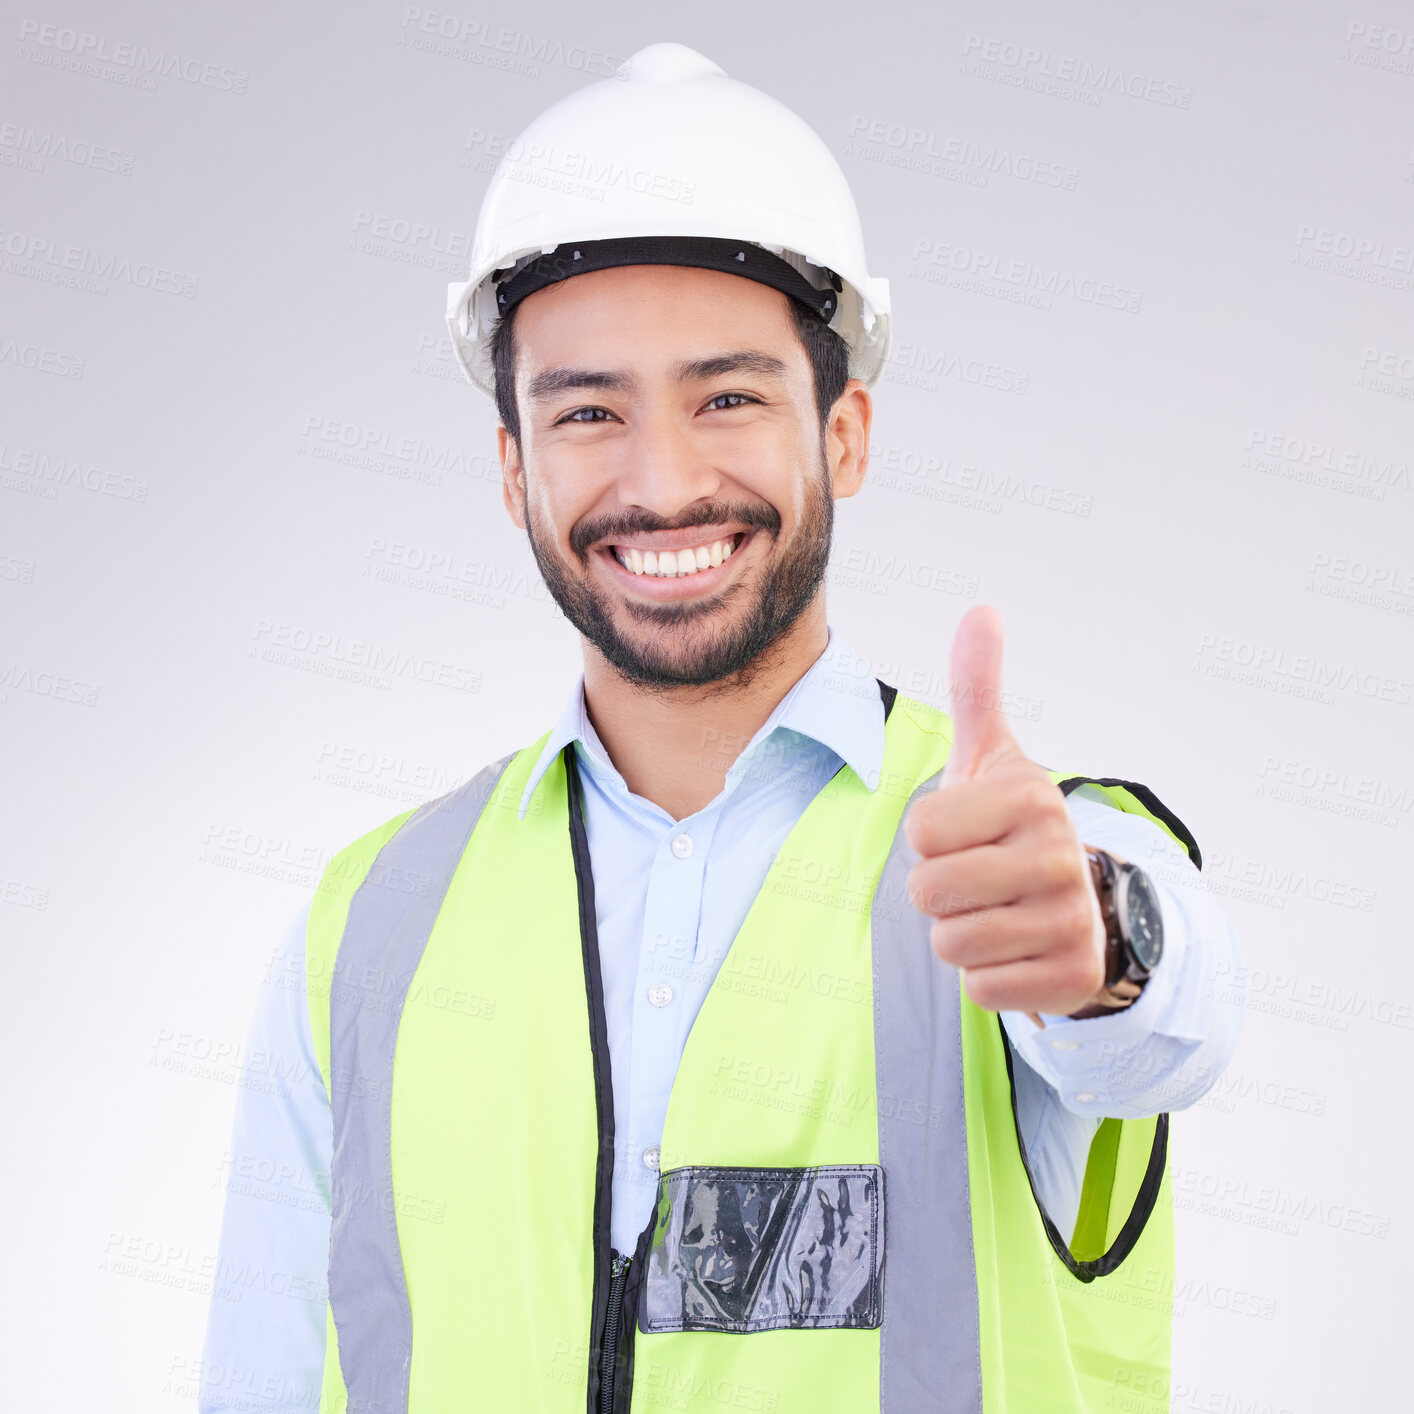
pixel 663 468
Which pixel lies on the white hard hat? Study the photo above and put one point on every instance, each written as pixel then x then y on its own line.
pixel 671 161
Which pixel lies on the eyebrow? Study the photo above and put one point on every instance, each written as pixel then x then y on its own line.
pixel 554 381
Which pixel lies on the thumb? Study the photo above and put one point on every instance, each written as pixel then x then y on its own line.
pixel 982 737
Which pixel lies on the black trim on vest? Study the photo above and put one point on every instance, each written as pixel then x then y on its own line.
pixel 603 1080
pixel 1148 1192
pixel 1151 803
pixel 1144 1200
pixel 888 692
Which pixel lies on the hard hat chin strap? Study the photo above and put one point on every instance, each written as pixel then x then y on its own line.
pixel 707 252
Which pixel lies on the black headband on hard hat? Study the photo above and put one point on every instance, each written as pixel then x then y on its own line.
pixel 707 252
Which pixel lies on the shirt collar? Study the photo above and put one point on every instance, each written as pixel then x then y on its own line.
pixel 836 702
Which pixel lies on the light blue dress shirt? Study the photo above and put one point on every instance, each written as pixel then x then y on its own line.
pixel 670 896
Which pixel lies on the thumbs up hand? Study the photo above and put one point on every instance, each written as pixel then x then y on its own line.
pixel 1002 870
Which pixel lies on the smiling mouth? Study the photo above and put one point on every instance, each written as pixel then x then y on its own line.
pixel 705 559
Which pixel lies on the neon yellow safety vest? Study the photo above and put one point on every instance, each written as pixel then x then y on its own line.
pixel 846 1220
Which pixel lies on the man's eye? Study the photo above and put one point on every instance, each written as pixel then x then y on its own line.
pixel 742 396
pixel 576 415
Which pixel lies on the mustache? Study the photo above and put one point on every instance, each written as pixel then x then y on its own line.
pixel 590 533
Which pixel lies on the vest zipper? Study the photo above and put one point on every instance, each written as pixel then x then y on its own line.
pixel 609 1351
pixel 605 1314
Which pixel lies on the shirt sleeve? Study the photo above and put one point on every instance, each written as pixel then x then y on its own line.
pixel 1167 1048
pixel 264 1346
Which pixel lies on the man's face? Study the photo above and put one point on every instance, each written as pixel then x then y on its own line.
pixel 666 408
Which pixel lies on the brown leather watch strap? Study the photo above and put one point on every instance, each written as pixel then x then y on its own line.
pixel 1122 989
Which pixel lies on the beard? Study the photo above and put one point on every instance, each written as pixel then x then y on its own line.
pixel 720 638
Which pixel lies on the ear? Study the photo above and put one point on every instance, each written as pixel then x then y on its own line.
pixel 847 438
pixel 512 475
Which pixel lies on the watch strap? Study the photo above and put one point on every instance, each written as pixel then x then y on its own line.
pixel 1123 989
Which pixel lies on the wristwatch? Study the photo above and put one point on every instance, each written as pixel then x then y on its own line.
pixel 1134 929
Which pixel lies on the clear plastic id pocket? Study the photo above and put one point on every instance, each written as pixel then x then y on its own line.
pixel 757 1249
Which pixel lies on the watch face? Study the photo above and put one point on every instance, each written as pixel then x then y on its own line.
pixel 1143 923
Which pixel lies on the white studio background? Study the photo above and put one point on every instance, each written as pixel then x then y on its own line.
pixel 1152 394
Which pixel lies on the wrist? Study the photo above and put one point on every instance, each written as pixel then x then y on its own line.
pixel 1122 982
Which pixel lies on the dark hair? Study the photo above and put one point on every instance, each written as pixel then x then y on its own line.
pixel 827 351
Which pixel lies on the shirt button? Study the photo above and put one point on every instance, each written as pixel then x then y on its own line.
pixel 650 1156
pixel 660 994
pixel 1064 1045
pixel 1083 1095
pixel 682 845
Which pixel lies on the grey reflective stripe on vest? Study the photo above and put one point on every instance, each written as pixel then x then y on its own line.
pixel 384 938
pixel 930 1352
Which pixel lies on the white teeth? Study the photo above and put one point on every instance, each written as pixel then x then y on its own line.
pixel 667 564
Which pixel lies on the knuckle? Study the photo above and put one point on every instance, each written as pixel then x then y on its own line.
pixel 983 990
pixel 1040 793
pixel 927 887
pixel 1057 865
pixel 941 938
pixel 1076 915
pixel 950 940
pixel 1062 827
pixel 1094 976
pixel 1086 976
pixel 916 886
pixel 919 821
